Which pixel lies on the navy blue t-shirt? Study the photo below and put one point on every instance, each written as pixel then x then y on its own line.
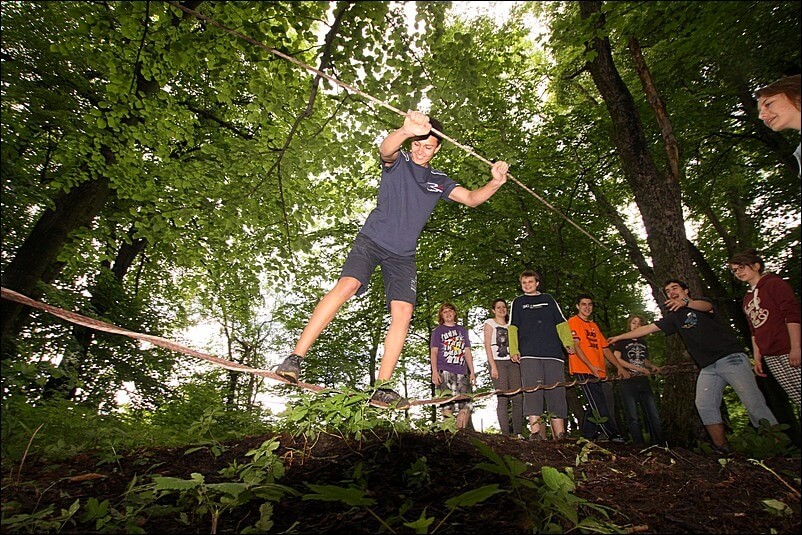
pixel 537 317
pixel 408 194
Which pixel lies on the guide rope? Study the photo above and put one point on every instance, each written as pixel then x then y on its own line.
pixel 98 325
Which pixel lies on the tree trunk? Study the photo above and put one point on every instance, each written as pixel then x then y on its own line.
pixel 657 196
pixel 65 384
pixel 72 210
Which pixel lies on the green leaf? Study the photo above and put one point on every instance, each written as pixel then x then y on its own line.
pixel 174 483
pixel 332 493
pixel 473 496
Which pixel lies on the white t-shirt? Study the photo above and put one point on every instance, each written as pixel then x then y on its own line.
pixel 499 340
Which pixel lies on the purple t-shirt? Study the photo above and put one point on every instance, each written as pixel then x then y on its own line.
pixel 408 194
pixel 451 342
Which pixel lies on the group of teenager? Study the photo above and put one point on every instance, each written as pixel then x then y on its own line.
pixel 529 370
pixel 527 350
pixel 409 191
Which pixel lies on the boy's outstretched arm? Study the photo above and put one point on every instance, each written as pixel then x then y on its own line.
pixel 474 198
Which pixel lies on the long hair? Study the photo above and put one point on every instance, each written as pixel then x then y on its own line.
pixel 632 317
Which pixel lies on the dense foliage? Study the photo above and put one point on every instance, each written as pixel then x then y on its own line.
pixel 159 172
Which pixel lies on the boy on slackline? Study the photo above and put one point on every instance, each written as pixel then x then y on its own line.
pixel 408 193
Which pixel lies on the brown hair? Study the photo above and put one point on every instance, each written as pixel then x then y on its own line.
pixel 787 85
pixel 530 273
pixel 445 306
pixel 747 258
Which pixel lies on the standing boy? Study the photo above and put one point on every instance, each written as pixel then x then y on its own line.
pixel 587 363
pixel 408 193
pixel 539 339
pixel 716 351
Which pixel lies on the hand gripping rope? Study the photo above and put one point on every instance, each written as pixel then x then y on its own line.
pixel 98 325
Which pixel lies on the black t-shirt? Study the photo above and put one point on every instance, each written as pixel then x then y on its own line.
pixel 634 351
pixel 706 339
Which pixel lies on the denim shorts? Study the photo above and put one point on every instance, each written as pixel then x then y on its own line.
pixel 398 272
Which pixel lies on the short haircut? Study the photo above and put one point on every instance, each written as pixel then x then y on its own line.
pixel 787 85
pixel 580 297
pixel 747 258
pixel 530 273
pixel 445 306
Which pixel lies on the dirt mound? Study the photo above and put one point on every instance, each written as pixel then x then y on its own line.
pixel 427 478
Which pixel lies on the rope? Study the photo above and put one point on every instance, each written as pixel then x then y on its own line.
pixel 98 325
pixel 381 103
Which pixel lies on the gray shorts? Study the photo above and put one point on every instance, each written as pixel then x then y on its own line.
pixel 398 272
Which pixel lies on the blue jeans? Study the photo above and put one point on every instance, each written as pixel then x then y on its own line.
pixel 733 370
pixel 635 391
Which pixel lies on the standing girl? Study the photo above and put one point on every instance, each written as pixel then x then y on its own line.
pixel 637 390
pixel 452 363
pixel 505 373
pixel 774 319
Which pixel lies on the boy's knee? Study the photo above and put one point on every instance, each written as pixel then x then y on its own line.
pixel 401 310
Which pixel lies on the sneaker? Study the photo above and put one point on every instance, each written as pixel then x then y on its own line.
pixel 537 437
pixel 561 437
pixel 618 439
pixel 391 398
pixel 290 369
pixel 602 438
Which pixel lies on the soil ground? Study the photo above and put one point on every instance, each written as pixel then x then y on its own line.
pixel 657 490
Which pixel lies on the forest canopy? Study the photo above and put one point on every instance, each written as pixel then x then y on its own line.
pixel 160 173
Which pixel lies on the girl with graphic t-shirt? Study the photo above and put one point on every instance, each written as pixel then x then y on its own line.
pixel 774 319
pixel 452 363
pixel 505 373
pixel 637 390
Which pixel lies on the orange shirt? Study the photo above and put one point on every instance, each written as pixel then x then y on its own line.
pixel 591 342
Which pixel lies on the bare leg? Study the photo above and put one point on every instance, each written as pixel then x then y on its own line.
pixel 325 311
pixel 462 418
pixel 557 427
pixel 401 315
pixel 534 424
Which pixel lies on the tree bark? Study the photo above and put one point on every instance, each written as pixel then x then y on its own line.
pixel 658 197
pixel 72 210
